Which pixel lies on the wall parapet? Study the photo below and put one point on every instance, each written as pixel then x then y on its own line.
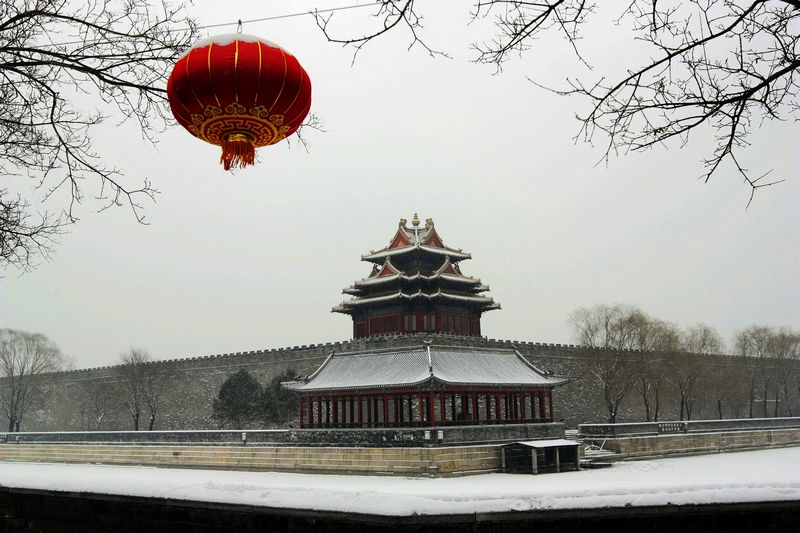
pixel 345 437
pixel 685 426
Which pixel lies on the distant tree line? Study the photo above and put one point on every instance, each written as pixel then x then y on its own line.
pixel 137 388
pixel 27 358
pixel 644 360
pixel 636 366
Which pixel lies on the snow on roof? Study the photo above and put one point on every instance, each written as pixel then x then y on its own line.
pixel 450 277
pixel 419 294
pixel 454 254
pixel 455 365
pixel 548 443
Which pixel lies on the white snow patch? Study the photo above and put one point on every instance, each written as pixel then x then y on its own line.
pixel 764 475
pixel 225 39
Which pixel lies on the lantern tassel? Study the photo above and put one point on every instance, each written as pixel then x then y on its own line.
pixel 237 152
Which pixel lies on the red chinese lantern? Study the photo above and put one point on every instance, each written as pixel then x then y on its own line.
pixel 239 92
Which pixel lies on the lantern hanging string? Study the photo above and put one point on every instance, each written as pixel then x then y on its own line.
pixel 286 16
pixel 239 22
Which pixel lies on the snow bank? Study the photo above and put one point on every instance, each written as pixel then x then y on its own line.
pixel 764 475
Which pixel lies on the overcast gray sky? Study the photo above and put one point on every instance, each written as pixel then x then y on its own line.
pixel 256 259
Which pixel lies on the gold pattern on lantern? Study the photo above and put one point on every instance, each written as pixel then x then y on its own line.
pixel 215 125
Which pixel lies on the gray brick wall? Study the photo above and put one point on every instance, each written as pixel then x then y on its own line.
pixel 195 382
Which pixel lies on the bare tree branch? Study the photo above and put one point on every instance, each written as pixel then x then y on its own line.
pixel 722 65
pixel 50 50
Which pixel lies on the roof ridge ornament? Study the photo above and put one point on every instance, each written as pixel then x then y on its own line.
pixel 415 220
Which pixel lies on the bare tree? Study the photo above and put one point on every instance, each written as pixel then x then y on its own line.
pixel 52 53
pixel 612 330
pixel 654 338
pixel 688 369
pixel 24 236
pixel 724 65
pixel 757 342
pixel 24 357
pixel 785 351
pixel 131 375
pixel 97 398
pixel 156 382
pixel 143 386
pixel 729 388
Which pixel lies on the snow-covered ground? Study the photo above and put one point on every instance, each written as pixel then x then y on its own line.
pixel 764 475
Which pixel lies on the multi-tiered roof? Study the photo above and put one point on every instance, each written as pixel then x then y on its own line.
pixel 416 285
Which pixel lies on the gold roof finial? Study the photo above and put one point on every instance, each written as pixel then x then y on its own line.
pixel 415 220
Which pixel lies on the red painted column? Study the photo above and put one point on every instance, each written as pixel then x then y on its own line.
pixel 302 418
pixel 540 395
pixel 401 402
pixel 421 408
pixel 369 411
pixel 550 401
pixel 497 411
pixel 385 411
pixel 442 408
pixel 358 411
pixel 522 405
pixel 335 409
pixel 474 406
pixel 431 410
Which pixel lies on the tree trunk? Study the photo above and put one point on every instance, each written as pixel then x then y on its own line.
pixel 657 408
pixel 683 405
pixel 610 408
pixel 11 425
pixel 136 423
pixel 719 409
pixel 152 422
pixel 775 415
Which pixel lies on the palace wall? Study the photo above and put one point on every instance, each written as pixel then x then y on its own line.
pixel 71 403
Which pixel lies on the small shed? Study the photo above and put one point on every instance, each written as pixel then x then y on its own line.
pixel 540 456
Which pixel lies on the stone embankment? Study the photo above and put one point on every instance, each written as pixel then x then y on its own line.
pixel 662 439
pixel 398 461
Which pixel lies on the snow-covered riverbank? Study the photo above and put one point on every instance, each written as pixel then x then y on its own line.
pixel 764 475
